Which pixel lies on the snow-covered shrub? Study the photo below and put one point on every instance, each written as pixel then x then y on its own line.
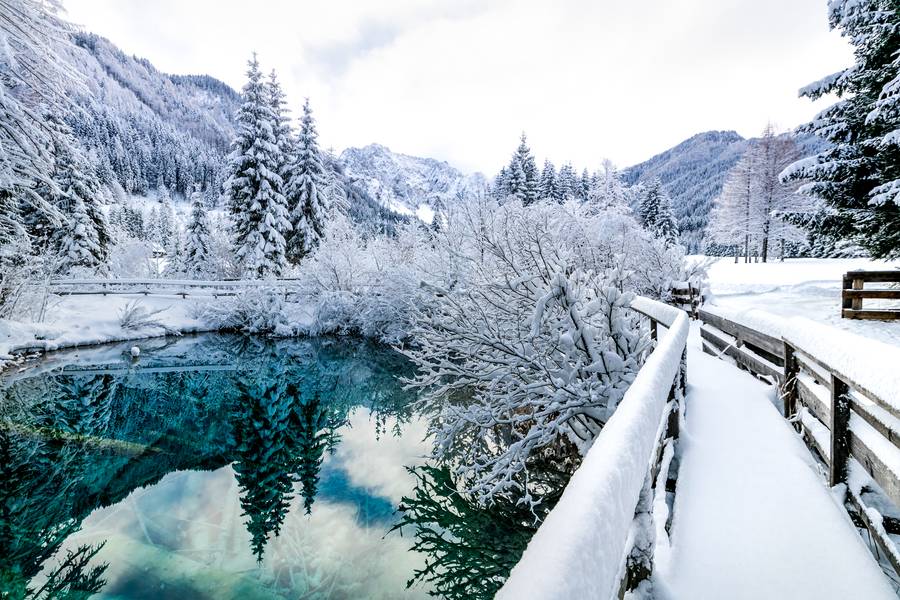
pixel 131 258
pixel 134 316
pixel 531 343
pixel 367 286
pixel 258 310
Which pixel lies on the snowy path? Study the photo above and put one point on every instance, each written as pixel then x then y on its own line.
pixel 753 519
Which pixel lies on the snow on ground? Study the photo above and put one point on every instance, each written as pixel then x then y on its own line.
pixel 83 320
pixel 753 517
pixel 808 287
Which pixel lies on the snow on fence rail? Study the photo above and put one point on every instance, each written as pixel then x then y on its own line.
pixel 175 287
pixel 599 536
pixel 854 293
pixel 842 391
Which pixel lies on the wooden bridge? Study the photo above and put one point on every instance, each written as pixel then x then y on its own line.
pixel 734 507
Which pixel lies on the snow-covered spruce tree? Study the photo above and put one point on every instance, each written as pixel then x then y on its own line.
pixel 655 211
pixel 522 178
pixel 307 191
pixel 566 183
pixel 584 185
pixel 858 176
pixel 197 250
pixel 528 367
pixel 78 244
pixel 254 188
pixel 547 185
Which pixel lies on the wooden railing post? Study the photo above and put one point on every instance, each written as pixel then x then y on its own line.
pixel 789 384
pixel 840 431
pixel 846 301
pixel 653 332
pixel 857 303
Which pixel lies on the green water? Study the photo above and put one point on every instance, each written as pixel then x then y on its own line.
pixel 213 467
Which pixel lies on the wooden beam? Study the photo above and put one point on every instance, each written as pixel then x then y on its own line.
pixel 789 383
pixel 871 315
pixel 873 294
pixel 884 543
pixel 875 276
pixel 840 431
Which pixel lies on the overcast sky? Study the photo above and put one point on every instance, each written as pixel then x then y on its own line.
pixel 460 79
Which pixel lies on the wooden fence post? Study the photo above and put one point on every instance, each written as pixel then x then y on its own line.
pixel 846 302
pixel 840 431
pixel 857 303
pixel 789 384
pixel 653 334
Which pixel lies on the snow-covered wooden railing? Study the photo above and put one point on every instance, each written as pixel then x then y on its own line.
pixel 599 539
pixel 171 287
pixel 842 391
pixel 854 292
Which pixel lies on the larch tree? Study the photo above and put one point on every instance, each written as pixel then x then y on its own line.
pixel 731 219
pixel 307 191
pixel 772 196
pixel 858 175
pixel 254 188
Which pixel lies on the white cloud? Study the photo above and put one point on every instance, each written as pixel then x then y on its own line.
pixel 459 80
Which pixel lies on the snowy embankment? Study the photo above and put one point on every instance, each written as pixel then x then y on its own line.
pixel 808 287
pixel 580 548
pixel 84 320
pixel 753 517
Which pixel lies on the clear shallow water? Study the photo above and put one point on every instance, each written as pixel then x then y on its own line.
pixel 214 467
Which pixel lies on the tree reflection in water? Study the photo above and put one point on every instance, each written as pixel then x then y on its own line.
pixel 469 549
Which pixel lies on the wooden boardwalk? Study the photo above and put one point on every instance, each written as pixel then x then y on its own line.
pixel 753 516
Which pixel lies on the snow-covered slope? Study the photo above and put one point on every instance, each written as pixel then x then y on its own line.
pixel 408 184
pixel 693 173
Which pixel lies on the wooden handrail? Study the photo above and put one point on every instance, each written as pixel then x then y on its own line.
pixel 620 479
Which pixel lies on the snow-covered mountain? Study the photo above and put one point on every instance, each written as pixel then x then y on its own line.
pixel 408 184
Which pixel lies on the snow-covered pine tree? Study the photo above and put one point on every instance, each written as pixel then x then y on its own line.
pixel 666 225
pixel 254 188
pixel 72 178
pixel 547 186
pixel 566 183
pixel 307 191
pixel 584 186
pixel 78 243
pixel 33 69
pixel 656 214
pixel 197 251
pixel 859 174
pixel 281 127
pixel 500 188
pixel 335 193
pixel 522 179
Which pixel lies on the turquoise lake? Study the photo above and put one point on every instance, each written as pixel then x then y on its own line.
pixel 213 466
